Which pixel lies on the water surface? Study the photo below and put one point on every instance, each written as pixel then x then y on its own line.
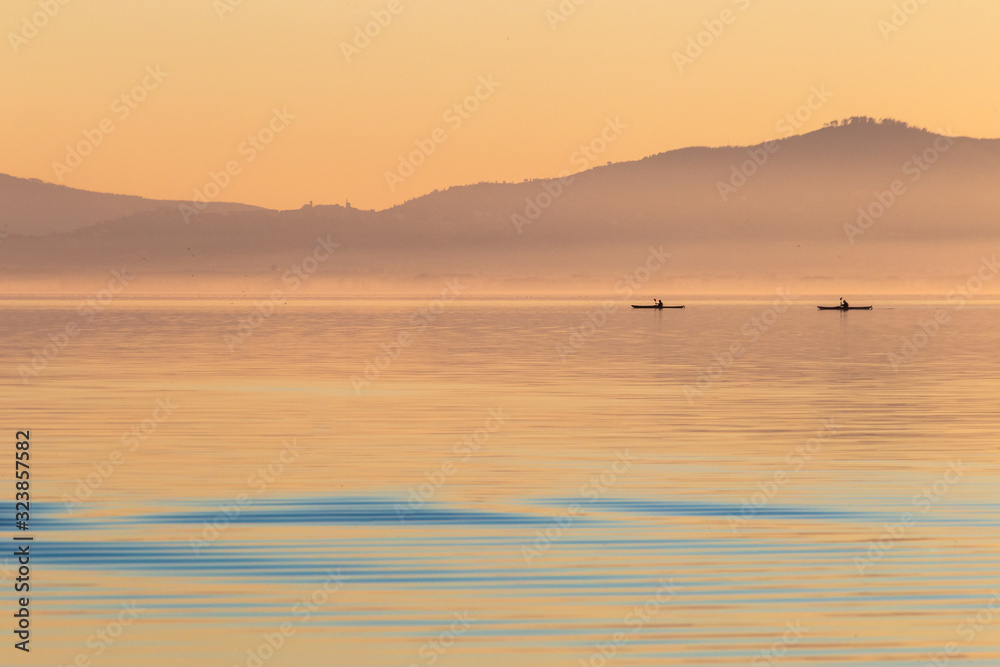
pixel 384 482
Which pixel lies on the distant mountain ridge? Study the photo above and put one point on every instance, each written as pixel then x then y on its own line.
pixel 779 208
pixel 31 206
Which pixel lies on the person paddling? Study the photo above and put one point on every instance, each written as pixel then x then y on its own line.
pixel 659 304
pixel 843 304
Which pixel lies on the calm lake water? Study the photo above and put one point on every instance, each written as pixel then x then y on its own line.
pixel 507 483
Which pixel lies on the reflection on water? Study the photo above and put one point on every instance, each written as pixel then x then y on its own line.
pixel 506 483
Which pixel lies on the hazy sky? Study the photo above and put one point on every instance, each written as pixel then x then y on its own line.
pixel 210 74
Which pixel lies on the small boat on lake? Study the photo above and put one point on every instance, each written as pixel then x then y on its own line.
pixel 842 308
pixel 660 307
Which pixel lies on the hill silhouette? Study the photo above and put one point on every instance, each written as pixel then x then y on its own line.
pixel 34 207
pixel 778 211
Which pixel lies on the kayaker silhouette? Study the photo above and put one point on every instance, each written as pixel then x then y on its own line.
pixel 843 304
pixel 659 304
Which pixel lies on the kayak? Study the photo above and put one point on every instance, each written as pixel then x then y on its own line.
pixel 842 308
pixel 659 307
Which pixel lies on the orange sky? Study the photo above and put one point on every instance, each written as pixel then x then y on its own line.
pixel 210 74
